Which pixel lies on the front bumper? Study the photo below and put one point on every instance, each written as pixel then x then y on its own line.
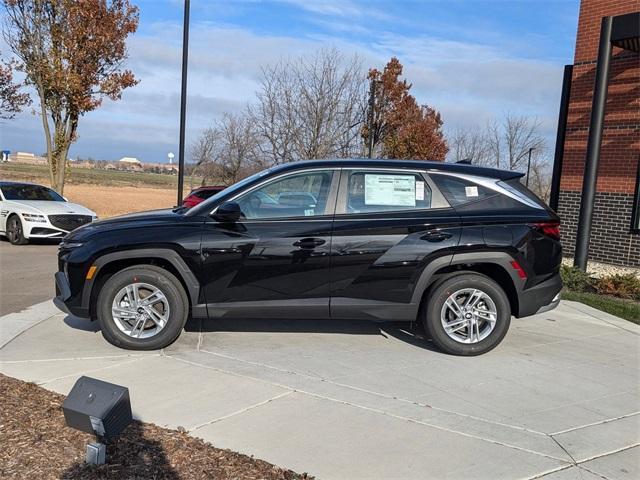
pixel 63 297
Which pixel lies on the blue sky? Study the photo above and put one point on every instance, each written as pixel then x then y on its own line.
pixel 472 60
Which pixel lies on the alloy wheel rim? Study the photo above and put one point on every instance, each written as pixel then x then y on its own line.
pixel 140 310
pixel 468 315
pixel 14 231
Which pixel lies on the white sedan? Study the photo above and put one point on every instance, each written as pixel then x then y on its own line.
pixel 33 211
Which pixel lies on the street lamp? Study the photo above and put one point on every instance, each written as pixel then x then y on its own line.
pixel 183 99
pixel 529 165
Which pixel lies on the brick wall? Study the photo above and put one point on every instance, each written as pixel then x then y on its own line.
pixel 620 151
pixel 610 241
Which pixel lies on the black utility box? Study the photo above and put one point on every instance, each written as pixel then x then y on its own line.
pixel 98 407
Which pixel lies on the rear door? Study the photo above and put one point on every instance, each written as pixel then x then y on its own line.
pixel 389 225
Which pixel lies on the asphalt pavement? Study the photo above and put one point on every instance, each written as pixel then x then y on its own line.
pixel 26 274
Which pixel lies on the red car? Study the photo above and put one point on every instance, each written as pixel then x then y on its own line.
pixel 199 195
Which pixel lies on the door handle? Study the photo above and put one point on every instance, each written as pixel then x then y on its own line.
pixel 436 236
pixel 309 243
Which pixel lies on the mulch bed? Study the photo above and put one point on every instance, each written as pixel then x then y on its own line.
pixel 36 443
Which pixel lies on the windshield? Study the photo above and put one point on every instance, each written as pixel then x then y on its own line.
pixel 227 191
pixel 30 192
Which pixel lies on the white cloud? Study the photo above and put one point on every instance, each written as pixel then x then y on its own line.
pixel 467 81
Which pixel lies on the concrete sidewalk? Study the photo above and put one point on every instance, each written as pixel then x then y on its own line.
pixel 559 399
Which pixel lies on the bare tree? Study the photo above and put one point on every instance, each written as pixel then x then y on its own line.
pixel 505 144
pixel 471 144
pixel 204 151
pixel 311 107
pixel 239 154
pixel 227 151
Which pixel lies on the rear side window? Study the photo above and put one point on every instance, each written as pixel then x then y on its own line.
pixel 459 191
pixel 378 191
pixel 520 190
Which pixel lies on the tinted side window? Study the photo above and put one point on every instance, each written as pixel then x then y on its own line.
pixel 386 191
pixel 458 191
pixel 300 195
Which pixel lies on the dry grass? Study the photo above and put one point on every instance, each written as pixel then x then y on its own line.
pixel 112 201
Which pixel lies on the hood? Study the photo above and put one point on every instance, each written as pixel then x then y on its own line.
pixel 131 220
pixel 53 208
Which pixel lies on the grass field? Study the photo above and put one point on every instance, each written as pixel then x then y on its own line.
pixel 107 192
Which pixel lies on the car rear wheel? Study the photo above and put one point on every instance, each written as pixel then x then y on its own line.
pixel 467 314
pixel 142 308
pixel 15 233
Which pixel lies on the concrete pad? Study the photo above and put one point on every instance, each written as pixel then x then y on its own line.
pixel 308 434
pixel 59 337
pixel 170 393
pixel 572 473
pixel 13 324
pixel 44 371
pixel 620 465
pixel 595 440
pixel 365 400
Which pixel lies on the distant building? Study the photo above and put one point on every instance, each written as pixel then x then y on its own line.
pixel 130 163
pixel 130 160
pixel 611 27
pixel 27 157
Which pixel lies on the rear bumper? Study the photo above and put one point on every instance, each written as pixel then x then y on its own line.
pixel 541 298
pixel 63 297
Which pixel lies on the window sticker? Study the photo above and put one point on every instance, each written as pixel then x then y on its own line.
pixel 419 190
pixel 385 189
pixel 471 191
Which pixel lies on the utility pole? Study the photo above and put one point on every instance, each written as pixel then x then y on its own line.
pixel 183 100
pixel 372 107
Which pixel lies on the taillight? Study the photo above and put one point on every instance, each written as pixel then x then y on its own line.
pixel 550 229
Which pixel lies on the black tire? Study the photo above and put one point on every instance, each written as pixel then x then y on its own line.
pixel 15 233
pixel 448 286
pixel 159 278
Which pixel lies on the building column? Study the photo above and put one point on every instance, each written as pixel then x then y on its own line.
pixel 593 145
pixel 560 137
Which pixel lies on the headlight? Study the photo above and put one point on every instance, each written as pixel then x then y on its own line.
pixel 69 245
pixel 94 218
pixel 32 217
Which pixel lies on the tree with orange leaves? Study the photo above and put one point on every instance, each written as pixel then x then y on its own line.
pixel 72 53
pixel 401 127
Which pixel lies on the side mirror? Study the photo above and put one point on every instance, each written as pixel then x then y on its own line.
pixel 228 212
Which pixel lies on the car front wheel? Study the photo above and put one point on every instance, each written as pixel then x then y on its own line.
pixel 15 233
pixel 142 308
pixel 467 314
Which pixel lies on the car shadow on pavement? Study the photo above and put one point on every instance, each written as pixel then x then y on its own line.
pixel 408 332
pixel 81 324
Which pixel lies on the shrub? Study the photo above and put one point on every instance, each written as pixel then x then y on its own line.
pixel 619 285
pixel 576 280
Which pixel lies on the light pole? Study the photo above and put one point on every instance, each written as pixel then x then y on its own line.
pixel 372 111
pixel 529 165
pixel 183 99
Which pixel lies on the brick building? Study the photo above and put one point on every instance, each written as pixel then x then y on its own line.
pixel 614 234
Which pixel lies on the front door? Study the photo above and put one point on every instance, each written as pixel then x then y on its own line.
pixel 275 259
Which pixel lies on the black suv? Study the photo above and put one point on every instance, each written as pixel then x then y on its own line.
pixel 458 247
